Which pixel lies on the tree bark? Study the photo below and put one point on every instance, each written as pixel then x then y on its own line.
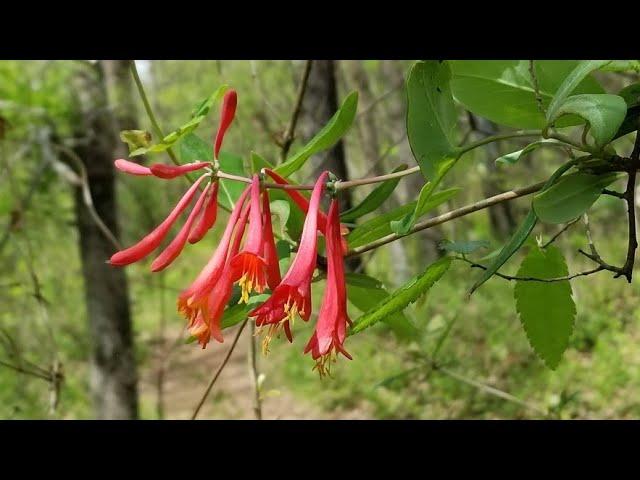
pixel 113 366
pixel 501 216
pixel 319 104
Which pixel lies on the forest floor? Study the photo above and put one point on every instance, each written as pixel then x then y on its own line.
pixel 188 370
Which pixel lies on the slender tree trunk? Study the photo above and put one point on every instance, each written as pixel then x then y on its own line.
pixel 113 366
pixel 501 216
pixel 319 105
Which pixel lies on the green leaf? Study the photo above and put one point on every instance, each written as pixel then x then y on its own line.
pixel 402 297
pixel 403 225
pixel 235 314
pixel 380 226
pixel 571 196
pixel 521 235
pixel 622 66
pixel 365 292
pixel 503 90
pixel 230 190
pixel 203 107
pixel 605 113
pixel 374 199
pixel 514 157
pixel 326 138
pixel 194 148
pixel 431 117
pixel 570 83
pixel 258 162
pixel 464 248
pixel 546 309
pixel 281 209
pixel 184 130
pixel 135 139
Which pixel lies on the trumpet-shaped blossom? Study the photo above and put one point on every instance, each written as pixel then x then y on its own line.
pixel 248 266
pixel 269 251
pixel 303 204
pixel 208 217
pixel 330 332
pixel 150 242
pixel 292 297
pixel 193 300
pixel 226 117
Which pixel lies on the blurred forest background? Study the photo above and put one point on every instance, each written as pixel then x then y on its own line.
pixel 60 303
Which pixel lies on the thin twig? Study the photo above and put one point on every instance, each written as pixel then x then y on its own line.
pixel 86 195
pixel 147 107
pixel 289 134
pixel 536 88
pixel 254 375
pixel 534 279
pixel 459 212
pixel 488 389
pixel 219 371
pixel 560 232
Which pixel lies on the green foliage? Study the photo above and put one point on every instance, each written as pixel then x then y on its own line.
pixel 372 201
pixel 569 84
pixel 503 91
pixel 604 113
pixel 465 248
pixel 193 148
pixel 521 235
pixel 431 129
pixel 402 297
pixel 571 196
pixel 431 117
pixel 136 139
pixel 546 309
pixel 326 138
pixel 175 136
pixel 514 157
pixel 365 292
pixel 379 226
pixel 238 312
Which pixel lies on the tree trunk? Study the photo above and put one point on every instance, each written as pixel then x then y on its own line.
pixel 319 104
pixel 113 367
pixel 501 217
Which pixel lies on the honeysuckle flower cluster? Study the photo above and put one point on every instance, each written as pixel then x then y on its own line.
pixel 251 260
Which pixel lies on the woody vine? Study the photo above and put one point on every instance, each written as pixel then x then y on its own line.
pixel 557 105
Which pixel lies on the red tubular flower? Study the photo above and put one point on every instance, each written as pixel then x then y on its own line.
pixel 172 251
pixel 172 171
pixel 269 251
pixel 330 332
pixel 132 168
pixel 207 322
pixel 149 243
pixel 208 217
pixel 303 204
pixel 193 300
pixel 226 117
pixel 292 297
pixel 248 266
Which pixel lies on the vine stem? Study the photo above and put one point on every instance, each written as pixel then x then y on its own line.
pixel 148 109
pixel 534 279
pixel 459 212
pixel 219 371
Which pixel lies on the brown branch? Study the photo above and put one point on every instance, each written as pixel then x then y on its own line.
pixel 219 371
pixel 289 134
